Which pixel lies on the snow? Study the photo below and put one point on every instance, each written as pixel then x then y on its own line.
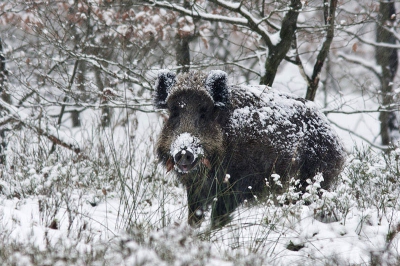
pixel 186 24
pixel 108 17
pixel 213 76
pixel 275 112
pixel 186 142
pixel 113 205
pixel 184 82
pixel 259 234
pixel 150 29
pixel 275 38
pixel 122 29
pixel 142 218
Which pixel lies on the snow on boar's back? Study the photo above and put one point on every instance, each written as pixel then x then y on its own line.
pixel 224 142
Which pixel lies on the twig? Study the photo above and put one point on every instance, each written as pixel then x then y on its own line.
pixel 381 147
pixel 50 132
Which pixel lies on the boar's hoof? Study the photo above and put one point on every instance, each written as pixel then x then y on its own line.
pixel 185 161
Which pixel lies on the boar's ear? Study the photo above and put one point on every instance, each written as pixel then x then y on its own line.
pixel 216 85
pixel 164 83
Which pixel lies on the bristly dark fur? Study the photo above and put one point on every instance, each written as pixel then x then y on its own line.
pixel 247 134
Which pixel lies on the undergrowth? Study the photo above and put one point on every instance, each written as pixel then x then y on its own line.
pixel 115 205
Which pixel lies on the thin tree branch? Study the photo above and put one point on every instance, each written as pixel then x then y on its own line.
pixel 196 13
pixel 252 22
pixel 376 44
pixel 363 63
pixel 381 147
pixel 51 132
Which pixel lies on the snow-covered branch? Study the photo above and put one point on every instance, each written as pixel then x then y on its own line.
pixel 247 19
pixel 252 22
pixel 387 109
pixel 197 13
pixel 144 106
pixel 369 42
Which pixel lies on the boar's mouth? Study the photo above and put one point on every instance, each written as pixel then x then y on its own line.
pixel 185 161
pixel 184 167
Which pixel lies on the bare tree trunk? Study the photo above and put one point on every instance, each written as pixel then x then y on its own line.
pixel 80 79
pixel 182 53
pixel 387 58
pixel 276 53
pixel 182 47
pixel 105 119
pixel 5 96
pixel 329 16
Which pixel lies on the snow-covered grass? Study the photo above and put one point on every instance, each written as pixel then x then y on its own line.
pixel 114 205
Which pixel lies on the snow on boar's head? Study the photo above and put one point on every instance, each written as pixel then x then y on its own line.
pixel 192 137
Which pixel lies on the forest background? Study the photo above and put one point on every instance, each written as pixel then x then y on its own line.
pixel 77 124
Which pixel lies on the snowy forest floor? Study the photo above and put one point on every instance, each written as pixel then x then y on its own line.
pixel 116 206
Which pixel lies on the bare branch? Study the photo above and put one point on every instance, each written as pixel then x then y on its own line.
pixel 252 22
pixel 52 133
pixel 376 44
pixel 381 147
pixel 356 60
pixel 196 13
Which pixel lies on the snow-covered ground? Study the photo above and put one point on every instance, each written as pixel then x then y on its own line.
pixel 118 207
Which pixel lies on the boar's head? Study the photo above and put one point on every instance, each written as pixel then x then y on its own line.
pixel 197 104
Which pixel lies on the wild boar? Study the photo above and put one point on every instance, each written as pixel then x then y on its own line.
pixel 225 141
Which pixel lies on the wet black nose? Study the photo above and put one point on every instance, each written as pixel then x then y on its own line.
pixel 184 157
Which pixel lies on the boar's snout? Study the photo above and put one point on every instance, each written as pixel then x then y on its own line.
pixel 186 151
pixel 184 160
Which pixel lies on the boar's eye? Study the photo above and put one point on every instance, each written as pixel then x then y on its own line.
pixel 203 113
pixel 174 111
pixel 174 115
pixel 203 116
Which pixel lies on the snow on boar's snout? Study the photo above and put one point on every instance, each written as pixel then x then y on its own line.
pixel 186 151
pixel 221 140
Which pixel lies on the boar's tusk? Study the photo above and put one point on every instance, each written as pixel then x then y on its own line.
pixel 207 163
pixel 169 164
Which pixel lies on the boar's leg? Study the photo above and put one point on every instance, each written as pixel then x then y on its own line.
pixel 196 206
pixel 224 204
